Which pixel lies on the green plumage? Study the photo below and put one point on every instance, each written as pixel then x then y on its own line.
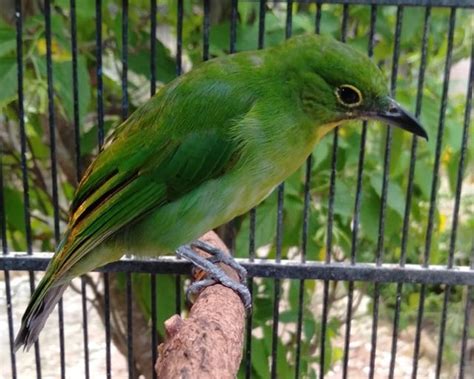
pixel 207 147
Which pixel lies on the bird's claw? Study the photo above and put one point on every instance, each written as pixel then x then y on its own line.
pixel 215 273
pixel 218 256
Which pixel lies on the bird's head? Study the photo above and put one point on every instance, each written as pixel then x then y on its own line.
pixel 337 83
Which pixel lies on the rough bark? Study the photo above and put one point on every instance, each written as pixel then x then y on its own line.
pixel 208 344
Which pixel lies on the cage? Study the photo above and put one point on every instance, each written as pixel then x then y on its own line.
pixel 360 264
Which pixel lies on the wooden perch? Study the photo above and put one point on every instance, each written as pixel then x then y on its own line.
pixel 208 344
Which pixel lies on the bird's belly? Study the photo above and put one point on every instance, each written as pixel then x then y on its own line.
pixel 180 222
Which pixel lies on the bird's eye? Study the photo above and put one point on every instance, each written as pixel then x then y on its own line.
pixel 349 96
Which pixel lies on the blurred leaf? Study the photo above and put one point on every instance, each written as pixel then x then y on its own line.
pixel 14 209
pixel 8 80
pixel 7 40
pixel 395 196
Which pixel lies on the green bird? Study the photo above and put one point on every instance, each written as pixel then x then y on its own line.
pixel 208 147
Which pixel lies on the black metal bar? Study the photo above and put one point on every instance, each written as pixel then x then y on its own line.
pixel 24 164
pixel 467 316
pixel 54 170
pixel 205 30
pixel 249 323
pixel 100 84
pixel 434 186
pixel 317 21
pixel 289 18
pixel 108 334
pixel 179 69
pixel 279 242
pixel 154 325
pixel 304 245
pixel 100 141
pixel 128 299
pixel 153 7
pixel 253 223
pixel 457 201
pixel 124 110
pixel 85 328
pixel 276 282
pixel 261 24
pixel 75 89
pixel 233 25
pixel 332 192
pixel 154 316
pixel 357 202
pixel 270 268
pixel 8 294
pixel 124 59
pixel 179 37
pixel 409 192
pixel 383 200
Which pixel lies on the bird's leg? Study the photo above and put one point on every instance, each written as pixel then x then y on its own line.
pixel 216 275
pixel 218 256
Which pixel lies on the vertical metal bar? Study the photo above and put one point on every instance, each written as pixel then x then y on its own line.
pixel 6 273
pixel 457 202
pixel 100 139
pixel 24 163
pixel 345 20
pixel 54 173
pixel 129 294
pixel 124 59
pixel 332 191
pixel 434 185
pixel 324 318
pixel 154 326
pixel 279 243
pixel 261 24
pixel 383 200
pixel 129 289
pixel 233 25
pixel 179 53
pixel 75 89
pixel 289 18
pixel 85 333
pixel 317 22
pixel 276 283
pixel 249 326
pixel 77 144
pixel 100 84
pixel 358 197
pixel 51 119
pixel 468 311
pixel 205 29
pixel 304 244
pixel 411 176
pixel 153 47
pixel 154 337
pixel 253 222
pixel 108 356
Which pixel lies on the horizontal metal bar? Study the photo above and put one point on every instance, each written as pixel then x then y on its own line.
pixel 268 268
pixel 412 3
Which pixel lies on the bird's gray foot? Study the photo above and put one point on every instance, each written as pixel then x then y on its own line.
pixel 216 275
pixel 218 256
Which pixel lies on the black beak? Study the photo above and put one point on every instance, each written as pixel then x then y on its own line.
pixel 395 115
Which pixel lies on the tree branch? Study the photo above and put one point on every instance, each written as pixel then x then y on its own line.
pixel 208 344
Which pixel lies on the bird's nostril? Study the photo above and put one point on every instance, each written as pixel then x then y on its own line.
pixel 393 110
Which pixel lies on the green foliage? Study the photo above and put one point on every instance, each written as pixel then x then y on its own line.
pixel 38 159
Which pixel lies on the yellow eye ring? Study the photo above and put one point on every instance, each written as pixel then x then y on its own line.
pixel 349 96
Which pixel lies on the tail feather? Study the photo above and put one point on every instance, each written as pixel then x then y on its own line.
pixel 42 303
